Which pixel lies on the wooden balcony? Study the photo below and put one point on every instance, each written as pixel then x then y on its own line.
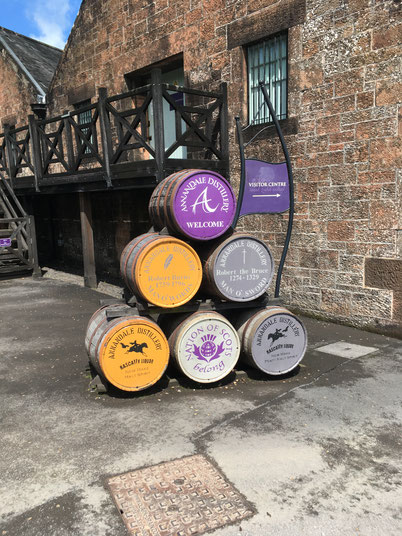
pixel 123 144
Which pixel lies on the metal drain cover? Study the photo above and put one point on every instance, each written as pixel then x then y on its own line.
pixel 179 498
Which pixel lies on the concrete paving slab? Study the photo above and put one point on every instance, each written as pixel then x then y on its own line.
pixel 316 452
pixel 346 349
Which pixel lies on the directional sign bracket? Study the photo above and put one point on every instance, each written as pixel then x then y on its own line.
pixel 290 179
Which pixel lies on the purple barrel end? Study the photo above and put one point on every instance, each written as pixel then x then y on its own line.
pixel 204 205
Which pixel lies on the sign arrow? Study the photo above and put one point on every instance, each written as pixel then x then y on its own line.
pixel 261 195
pixel 267 195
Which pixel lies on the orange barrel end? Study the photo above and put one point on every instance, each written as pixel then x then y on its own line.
pixel 161 270
pixel 131 352
pixel 204 345
pixel 273 339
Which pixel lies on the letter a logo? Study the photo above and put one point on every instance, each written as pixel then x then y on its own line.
pixel 203 200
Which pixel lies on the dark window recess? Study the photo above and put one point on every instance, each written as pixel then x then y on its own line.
pixel 142 77
pixel 268 60
pixel 85 121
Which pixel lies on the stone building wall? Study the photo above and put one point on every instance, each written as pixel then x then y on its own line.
pixel 343 127
pixel 16 93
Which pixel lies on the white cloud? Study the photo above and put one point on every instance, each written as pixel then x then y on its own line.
pixel 53 19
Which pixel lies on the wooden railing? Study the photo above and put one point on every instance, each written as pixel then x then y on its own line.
pixel 118 135
pixel 18 250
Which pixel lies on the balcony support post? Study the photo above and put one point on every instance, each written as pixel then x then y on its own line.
pixel 88 248
pixel 159 133
pixel 36 153
pixel 106 134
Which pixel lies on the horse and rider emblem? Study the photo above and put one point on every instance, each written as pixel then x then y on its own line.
pixel 277 334
pixel 135 347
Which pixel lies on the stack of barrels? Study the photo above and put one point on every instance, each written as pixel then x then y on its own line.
pixel 193 249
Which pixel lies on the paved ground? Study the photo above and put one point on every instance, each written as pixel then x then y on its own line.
pixel 317 453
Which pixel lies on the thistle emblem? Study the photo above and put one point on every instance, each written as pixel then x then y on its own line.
pixel 208 350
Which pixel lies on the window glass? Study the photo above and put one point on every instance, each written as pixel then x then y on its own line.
pixel 85 118
pixel 267 61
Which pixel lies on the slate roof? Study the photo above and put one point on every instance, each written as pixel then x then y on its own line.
pixel 38 58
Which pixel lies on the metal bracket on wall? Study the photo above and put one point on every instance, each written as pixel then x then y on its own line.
pixel 290 178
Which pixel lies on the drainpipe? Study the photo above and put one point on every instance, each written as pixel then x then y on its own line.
pixel 41 94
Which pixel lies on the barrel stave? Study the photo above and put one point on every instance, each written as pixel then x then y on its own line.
pixel 97 326
pixel 129 256
pixel 157 203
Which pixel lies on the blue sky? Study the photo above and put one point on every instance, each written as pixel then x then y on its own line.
pixel 49 21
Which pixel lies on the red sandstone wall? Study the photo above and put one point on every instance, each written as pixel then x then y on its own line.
pixel 16 93
pixel 343 131
pixel 346 156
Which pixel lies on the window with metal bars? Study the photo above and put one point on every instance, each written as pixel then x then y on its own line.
pixel 85 118
pixel 268 61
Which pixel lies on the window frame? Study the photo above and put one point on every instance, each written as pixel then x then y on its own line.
pixel 143 77
pixel 266 119
pixel 87 102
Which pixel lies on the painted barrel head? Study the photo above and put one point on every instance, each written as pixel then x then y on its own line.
pixel 204 205
pixel 279 343
pixel 207 348
pixel 133 354
pixel 168 272
pixel 243 269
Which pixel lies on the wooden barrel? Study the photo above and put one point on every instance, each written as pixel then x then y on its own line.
pixel 155 209
pixel 239 268
pixel 162 270
pixel 97 324
pixel 131 352
pixel 273 339
pixel 194 203
pixel 204 345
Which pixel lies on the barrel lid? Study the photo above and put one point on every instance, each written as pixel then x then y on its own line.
pixel 207 347
pixel 279 341
pixel 133 354
pixel 168 272
pixel 243 268
pixel 203 205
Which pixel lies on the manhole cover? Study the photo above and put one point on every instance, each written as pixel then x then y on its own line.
pixel 184 497
pixel 346 349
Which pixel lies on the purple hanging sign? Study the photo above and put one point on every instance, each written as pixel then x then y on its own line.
pixel 267 188
pixel 5 242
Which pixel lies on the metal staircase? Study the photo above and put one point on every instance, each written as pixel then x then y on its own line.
pixel 18 252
